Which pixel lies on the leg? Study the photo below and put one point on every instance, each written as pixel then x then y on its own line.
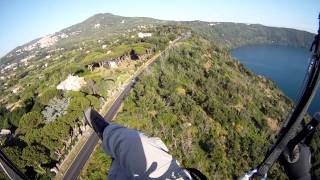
pixel 139 155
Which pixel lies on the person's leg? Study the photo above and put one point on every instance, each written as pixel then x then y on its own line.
pixel 139 155
pixel 133 153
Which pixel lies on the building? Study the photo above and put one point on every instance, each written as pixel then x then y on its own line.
pixel 143 35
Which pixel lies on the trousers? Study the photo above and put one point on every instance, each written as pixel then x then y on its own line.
pixel 137 156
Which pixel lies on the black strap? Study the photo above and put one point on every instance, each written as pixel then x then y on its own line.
pixel 196 174
pixel 306 133
pixel 290 129
pixel 294 122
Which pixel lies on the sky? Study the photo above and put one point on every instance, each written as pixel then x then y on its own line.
pixel 24 20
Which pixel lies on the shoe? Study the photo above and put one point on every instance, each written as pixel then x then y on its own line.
pixel 95 121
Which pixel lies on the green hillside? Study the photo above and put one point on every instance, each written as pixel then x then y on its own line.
pixel 214 114
pixel 45 122
pixel 108 27
pixel 238 34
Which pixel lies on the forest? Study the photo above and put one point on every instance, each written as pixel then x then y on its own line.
pixel 45 122
pixel 212 113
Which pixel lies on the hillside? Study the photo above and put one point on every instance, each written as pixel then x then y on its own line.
pixel 42 99
pixel 106 27
pixel 233 35
pixel 214 114
pixel 103 27
pixel 206 106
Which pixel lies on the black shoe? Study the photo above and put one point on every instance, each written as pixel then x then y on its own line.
pixel 96 121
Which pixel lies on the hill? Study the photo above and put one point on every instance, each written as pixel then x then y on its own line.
pixel 213 113
pixel 205 105
pixel 106 27
pixel 231 35
pixel 42 98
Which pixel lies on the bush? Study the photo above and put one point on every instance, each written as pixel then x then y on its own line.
pixel 47 95
pixel 29 121
pixel 94 101
pixel 79 103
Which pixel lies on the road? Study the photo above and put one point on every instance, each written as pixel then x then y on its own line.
pixel 84 154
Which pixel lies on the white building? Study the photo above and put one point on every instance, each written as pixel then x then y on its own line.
pixel 10 66
pixel 113 65
pixel 143 35
pixel 97 26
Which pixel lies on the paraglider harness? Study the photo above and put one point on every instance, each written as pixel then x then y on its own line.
pixel 290 136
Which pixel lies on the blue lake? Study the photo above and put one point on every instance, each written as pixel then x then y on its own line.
pixel 286 66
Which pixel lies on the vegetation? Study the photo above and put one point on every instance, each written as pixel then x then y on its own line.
pixel 46 122
pixel 97 165
pixel 207 107
pixel 208 113
pixel 238 34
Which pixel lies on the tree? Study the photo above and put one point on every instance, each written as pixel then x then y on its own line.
pixel 14 153
pixel 79 104
pixel 48 94
pixel 35 156
pixel 94 102
pixel 30 121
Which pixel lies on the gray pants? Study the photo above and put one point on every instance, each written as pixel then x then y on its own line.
pixel 136 156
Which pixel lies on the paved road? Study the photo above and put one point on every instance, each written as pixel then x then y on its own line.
pixel 84 154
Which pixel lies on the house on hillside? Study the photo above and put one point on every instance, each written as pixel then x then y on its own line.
pixel 114 62
pixel 143 35
pixel 109 63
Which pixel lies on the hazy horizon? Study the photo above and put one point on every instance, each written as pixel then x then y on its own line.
pixel 34 15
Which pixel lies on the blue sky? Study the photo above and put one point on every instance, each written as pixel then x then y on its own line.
pixel 24 20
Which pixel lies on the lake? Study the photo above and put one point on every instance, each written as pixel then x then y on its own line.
pixel 286 66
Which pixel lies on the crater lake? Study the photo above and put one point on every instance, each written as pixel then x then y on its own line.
pixel 285 65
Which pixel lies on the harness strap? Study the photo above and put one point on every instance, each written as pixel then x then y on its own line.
pixel 196 174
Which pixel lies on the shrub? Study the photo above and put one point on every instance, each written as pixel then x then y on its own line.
pixel 94 101
pixel 47 95
pixel 29 121
pixel 78 103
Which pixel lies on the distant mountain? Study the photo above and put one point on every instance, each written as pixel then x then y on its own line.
pixel 104 26
pixel 238 34
pixel 108 24
pixel 99 26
